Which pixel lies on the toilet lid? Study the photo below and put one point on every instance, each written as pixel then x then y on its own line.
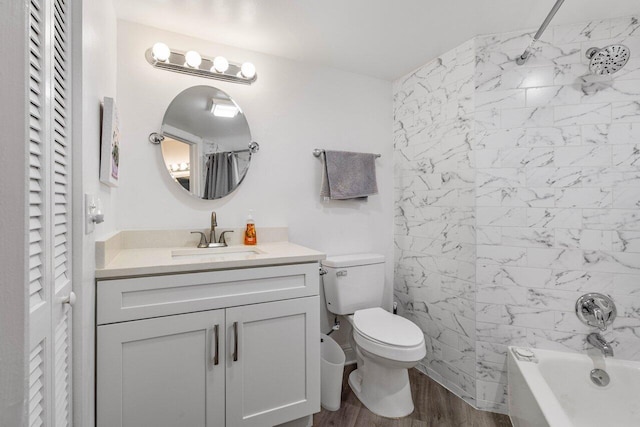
pixel 380 325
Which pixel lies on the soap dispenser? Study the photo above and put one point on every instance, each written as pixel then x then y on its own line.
pixel 250 237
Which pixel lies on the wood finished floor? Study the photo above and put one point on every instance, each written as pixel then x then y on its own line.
pixel 435 406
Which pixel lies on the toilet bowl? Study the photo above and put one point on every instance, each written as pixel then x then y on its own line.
pixel 386 345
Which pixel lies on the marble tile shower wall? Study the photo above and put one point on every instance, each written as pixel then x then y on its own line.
pixel 515 196
pixel 557 161
pixel 434 213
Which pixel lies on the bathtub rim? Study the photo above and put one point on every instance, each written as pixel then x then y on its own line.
pixel 545 398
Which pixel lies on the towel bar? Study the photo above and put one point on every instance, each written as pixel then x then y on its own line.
pixel 318 151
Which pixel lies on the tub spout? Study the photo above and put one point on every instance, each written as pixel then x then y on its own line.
pixel 599 342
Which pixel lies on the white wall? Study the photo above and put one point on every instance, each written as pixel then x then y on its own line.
pixel 292 108
pixel 94 78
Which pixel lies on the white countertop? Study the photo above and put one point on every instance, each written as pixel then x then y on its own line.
pixel 123 261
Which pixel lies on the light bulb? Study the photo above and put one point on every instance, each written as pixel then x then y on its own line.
pixel 248 70
pixel 184 166
pixel 193 59
pixel 220 64
pixel 160 52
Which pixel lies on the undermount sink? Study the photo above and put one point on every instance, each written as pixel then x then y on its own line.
pixel 218 254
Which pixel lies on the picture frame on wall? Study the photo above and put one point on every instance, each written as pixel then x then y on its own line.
pixel 110 144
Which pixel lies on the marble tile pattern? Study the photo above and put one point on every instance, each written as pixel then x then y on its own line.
pixel 557 195
pixel 552 212
pixel 435 215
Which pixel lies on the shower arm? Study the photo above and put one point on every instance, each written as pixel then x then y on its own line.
pixel 525 55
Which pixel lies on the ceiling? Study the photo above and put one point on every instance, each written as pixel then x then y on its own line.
pixel 379 38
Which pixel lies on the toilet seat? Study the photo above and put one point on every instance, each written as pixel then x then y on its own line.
pixel 388 335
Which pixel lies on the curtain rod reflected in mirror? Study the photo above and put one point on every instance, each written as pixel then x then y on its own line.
pixel 156 138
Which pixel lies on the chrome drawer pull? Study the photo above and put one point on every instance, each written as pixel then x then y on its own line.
pixel 216 345
pixel 235 341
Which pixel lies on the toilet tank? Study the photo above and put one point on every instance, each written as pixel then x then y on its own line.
pixel 353 282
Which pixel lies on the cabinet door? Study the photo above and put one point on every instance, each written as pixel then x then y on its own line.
pixel 273 362
pixel 162 372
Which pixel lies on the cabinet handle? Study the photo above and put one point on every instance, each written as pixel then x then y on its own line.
pixel 235 341
pixel 216 345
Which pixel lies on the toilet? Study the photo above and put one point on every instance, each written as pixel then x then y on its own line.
pixel 386 345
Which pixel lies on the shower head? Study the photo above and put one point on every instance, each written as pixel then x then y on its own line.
pixel 608 60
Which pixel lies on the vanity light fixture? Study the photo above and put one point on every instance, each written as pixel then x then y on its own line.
pixel 179 167
pixel 191 62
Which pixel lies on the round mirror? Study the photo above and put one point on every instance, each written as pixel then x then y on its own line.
pixel 207 143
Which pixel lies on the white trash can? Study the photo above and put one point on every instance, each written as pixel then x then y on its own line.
pixel 331 370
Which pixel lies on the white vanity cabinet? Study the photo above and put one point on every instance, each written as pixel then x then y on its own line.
pixel 231 347
pixel 158 372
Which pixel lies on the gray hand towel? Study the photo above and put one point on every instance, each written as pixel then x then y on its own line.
pixel 348 175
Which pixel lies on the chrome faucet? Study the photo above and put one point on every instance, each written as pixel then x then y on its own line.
pixel 214 224
pixel 596 340
pixel 596 310
pixel 211 243
pixel 597 314
pixel 203 239
pixel 223 239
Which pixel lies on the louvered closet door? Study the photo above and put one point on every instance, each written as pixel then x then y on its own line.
pixel 49 208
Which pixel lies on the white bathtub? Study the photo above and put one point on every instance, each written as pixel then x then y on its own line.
pixel 557 391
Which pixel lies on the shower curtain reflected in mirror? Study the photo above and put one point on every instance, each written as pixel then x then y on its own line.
pixel 221 174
